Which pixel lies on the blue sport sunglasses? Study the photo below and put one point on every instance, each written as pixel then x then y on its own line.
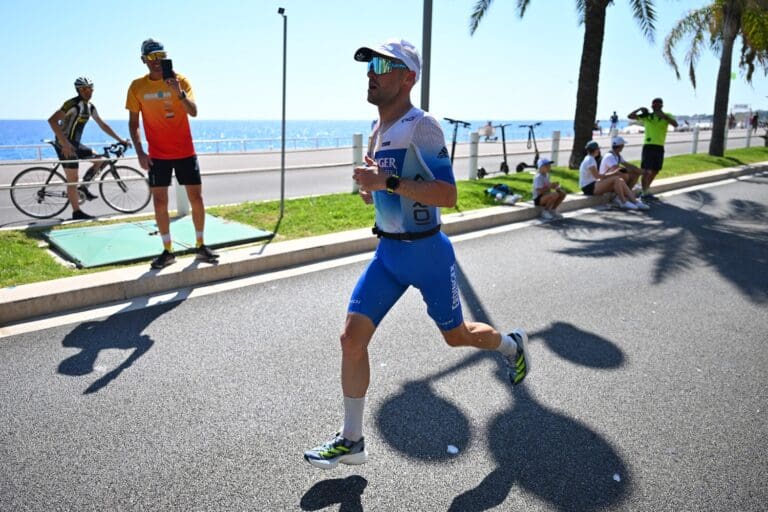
pixel 383 65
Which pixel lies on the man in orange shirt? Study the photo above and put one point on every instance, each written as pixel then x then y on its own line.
pixel 163 106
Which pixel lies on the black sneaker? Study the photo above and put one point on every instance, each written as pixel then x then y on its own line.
pixel 649 197
pixel 166 258
pixel 86 194
pixel 338 449
pixel 519 364
pixel 204 253
pixel 81 215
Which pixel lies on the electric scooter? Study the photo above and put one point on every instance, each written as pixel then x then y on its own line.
pixel 531 139
pixel 504 167
pixel 455 123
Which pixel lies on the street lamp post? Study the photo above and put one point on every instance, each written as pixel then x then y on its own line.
pixel 281 12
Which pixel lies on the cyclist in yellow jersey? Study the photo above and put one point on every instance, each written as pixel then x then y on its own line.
pixel 656 123
pixel 164 106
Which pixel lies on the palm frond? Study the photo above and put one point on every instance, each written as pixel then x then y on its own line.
pixel 522 5
pixel 694 25
pixel 645 14
pixel 478 11
pixel 581 11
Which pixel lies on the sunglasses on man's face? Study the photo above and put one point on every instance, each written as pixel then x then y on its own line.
pixel 382 65
pixel 155 56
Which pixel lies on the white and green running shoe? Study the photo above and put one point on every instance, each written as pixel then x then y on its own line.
pixel 519 364
pixel 338 449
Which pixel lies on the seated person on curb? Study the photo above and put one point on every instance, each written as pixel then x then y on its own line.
pixel 593 183
pixel 614 161
pixel 67 124
pixel 545 194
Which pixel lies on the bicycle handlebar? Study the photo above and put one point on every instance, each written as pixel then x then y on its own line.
pixel 117 149
pixel 530 125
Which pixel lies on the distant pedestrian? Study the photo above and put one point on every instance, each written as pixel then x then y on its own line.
pixel 656 123
pixel 547 195
pixel 753 122
pixel 67 124
pixel 408 178
pixel 488 131
pixel 593 183
pixel 164 106
pixel 614 121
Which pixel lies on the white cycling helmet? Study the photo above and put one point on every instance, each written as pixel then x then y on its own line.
pixel 83 81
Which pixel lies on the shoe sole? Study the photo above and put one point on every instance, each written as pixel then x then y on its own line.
pixel 206 259
pixel 350 460
pixel 522 336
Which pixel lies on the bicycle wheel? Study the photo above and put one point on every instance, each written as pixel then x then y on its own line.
pixel 48 199
pixel 124 189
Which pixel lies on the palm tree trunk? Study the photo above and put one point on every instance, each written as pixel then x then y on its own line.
pixel 589 77
pixel 722 92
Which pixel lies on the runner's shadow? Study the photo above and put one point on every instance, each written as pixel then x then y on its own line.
pixel 557 458
pixel 348 492
pixel 121 331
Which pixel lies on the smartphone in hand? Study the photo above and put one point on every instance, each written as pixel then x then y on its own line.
pixel 167 65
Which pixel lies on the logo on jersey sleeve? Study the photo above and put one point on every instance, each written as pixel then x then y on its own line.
pixel 443 153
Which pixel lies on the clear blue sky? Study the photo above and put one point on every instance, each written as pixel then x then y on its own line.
pixel 232 53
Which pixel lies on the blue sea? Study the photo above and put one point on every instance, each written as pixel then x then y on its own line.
pixel 246 136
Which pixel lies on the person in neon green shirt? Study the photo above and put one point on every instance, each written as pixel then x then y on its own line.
pixel 656 123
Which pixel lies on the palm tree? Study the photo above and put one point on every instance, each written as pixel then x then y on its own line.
pixel 592 14
pixel 718 25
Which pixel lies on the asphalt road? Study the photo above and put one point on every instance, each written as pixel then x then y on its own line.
pixel 648 390
pixel 318 172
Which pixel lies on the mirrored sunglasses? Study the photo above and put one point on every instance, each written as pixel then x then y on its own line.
pixel 156 56
pixel 382 65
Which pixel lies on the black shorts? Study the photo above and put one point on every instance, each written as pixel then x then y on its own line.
pixel 82 152
pixel 589 190
pixel 652 157
pixel 537 200
pixel 187 171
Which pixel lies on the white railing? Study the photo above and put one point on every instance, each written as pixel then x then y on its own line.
pixel 203 146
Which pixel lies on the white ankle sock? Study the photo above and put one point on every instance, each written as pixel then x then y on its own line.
pixel 353 418
pixel 507 346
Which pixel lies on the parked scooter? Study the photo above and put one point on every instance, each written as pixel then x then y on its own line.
pixel 455 123
pixel 531 141
pixel 504 167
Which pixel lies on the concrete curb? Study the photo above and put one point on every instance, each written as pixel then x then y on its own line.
pixel 35 300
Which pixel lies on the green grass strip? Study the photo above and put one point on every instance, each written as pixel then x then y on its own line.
pixel 24 261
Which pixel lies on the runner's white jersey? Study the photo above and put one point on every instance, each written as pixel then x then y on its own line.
pixel 412 148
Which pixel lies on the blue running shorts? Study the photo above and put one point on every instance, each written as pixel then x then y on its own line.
pixel 428 264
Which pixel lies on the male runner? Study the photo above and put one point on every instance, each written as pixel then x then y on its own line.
pixel 67 124
pixel 164 107
pixel 408 179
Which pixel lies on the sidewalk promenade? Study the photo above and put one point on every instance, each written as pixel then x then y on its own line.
pixel 37 300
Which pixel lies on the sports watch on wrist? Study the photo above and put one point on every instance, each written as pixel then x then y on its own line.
pixel 392 183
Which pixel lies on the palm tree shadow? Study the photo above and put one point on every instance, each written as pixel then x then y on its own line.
pixel 122 330
pixel 347 492
pixel 735 245
pixel 555 457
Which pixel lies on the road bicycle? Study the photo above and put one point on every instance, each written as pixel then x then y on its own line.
pixel 41 192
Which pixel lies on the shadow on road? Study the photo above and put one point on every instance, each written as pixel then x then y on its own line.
pixel 560 460
pixel 122 331
pixel 735 244
pixel 347 492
